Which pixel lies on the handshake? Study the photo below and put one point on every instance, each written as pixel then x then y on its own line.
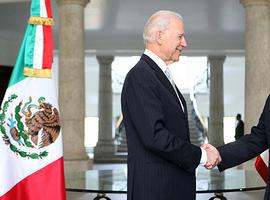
pixel 213 156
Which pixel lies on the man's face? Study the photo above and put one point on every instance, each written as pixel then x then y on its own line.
pixel 173 41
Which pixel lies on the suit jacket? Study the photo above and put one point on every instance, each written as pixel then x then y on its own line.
pixel 248 146
pixel 161 159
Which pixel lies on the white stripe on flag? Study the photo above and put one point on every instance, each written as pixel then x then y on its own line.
pixel 43 10
pixel 38 49
pixel 265 156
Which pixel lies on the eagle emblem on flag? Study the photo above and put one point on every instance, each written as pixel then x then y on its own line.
pixel 29 126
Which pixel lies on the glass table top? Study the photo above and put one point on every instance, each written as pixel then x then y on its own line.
pixel 207 181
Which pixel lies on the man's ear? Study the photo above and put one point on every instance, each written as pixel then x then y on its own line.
pixel 159 37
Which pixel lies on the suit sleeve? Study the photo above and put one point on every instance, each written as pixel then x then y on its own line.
pixel 248 146
pixel 145 110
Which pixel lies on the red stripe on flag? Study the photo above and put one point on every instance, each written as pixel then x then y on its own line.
pixel 48 47
pixel 262 168
pixel 47 183
pixel 48 8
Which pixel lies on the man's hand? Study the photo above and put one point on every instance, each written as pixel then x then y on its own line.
pixel 213 157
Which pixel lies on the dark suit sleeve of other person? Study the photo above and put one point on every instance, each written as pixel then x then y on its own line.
pixel 248 146
pixel 160 128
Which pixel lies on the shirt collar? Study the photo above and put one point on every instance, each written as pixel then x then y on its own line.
pixel 156 59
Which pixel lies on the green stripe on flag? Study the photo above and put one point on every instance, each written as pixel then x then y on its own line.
pixel 17 73
pixel 29 46
pixel 35 8
pixel 26 52
pixel 25 56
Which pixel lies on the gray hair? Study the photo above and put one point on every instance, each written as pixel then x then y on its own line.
pixel 159 21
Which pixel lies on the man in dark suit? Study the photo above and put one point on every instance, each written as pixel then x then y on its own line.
pixel 248 146
pixel 239 129
pixel 161 159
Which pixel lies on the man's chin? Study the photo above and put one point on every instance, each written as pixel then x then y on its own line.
pixel 176 59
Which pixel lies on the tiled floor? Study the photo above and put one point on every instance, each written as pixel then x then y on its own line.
pixel 252 195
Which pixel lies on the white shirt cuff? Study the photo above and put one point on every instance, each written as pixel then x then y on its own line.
pixel 203 157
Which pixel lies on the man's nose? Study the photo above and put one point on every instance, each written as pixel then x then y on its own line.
pixel 184 42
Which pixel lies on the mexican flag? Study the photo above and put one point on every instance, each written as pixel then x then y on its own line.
pixel 31 141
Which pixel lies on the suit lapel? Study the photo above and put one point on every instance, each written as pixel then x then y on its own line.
pixel 182 100
pixel 185 108
pixel 164 80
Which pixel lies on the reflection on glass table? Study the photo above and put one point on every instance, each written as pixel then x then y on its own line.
pixel 105 182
